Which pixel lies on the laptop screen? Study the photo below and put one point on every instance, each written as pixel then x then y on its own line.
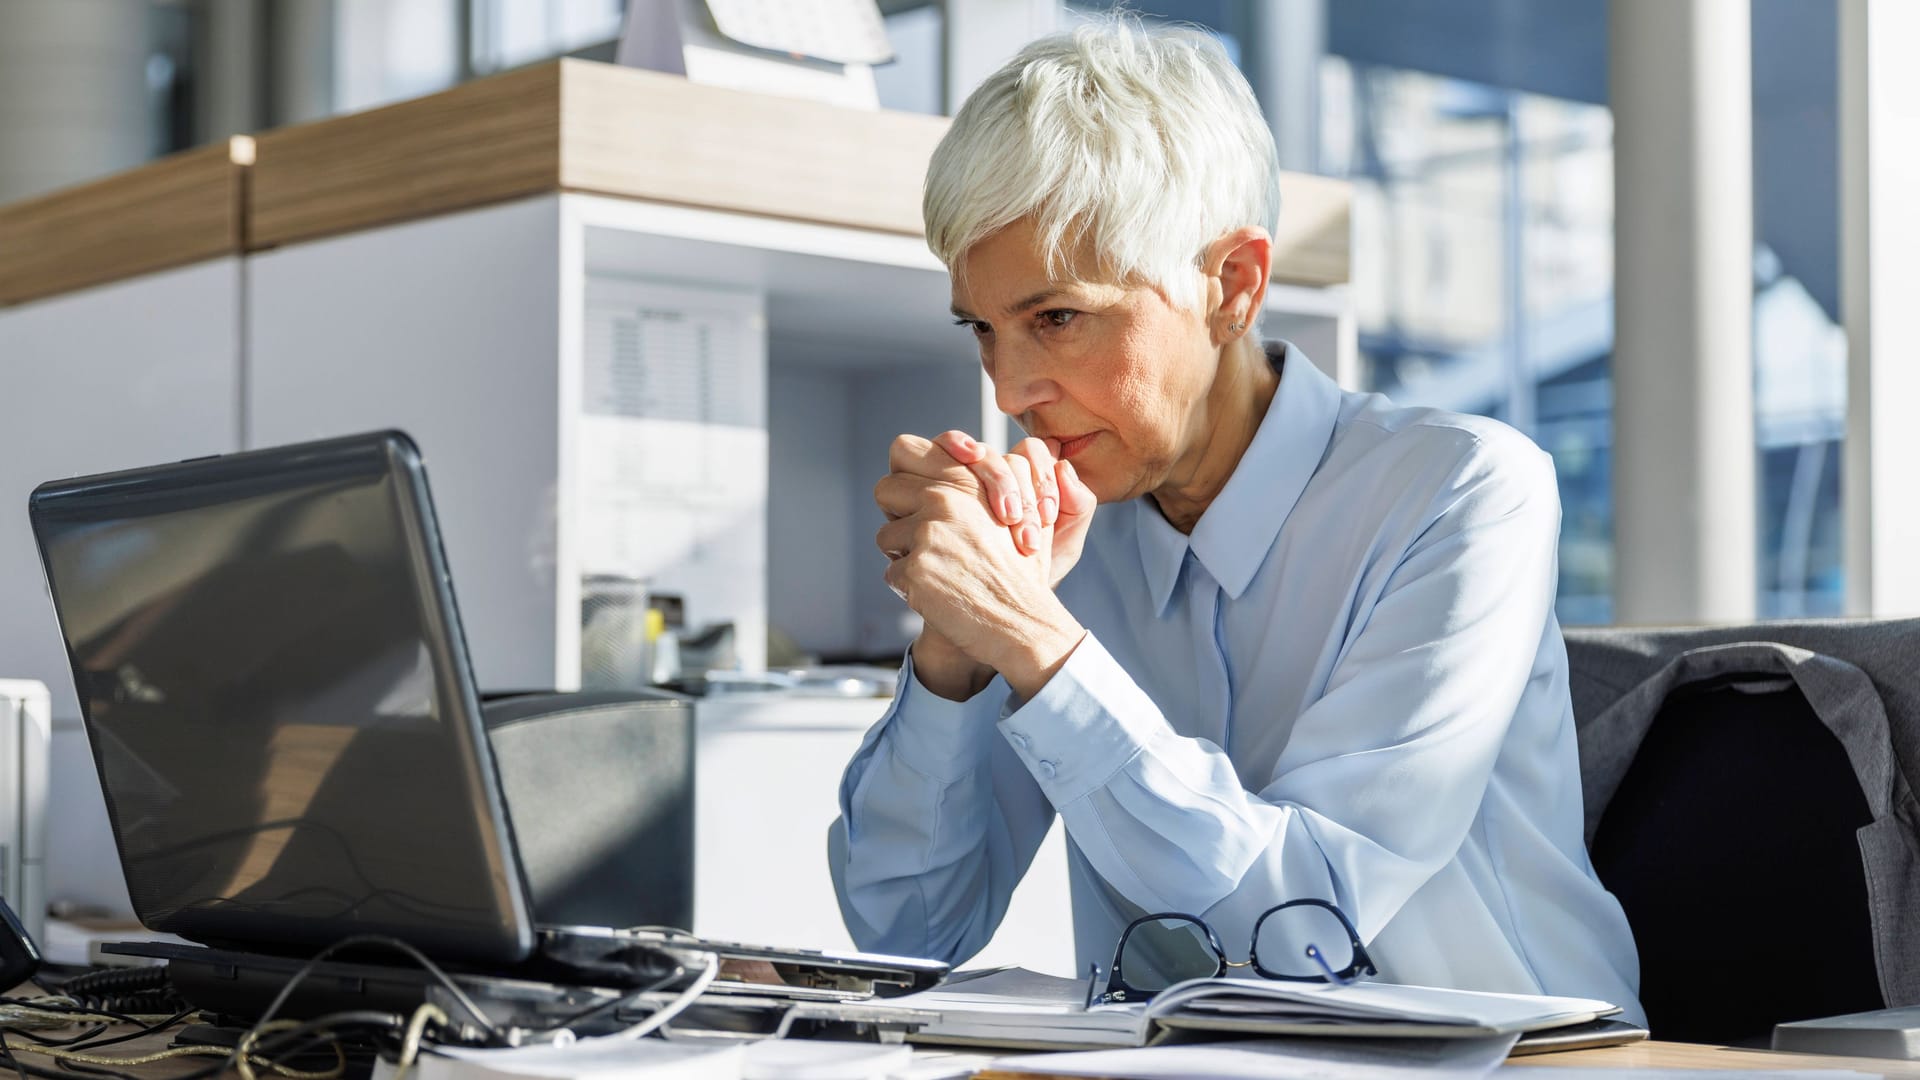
pixel 278 700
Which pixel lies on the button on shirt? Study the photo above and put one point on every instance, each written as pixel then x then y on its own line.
pixel 1346 683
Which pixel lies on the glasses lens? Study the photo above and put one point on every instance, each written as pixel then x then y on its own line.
pixel 1286 934
pixel 1162 952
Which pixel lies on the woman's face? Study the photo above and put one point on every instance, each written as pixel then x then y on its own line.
pixel 1115 375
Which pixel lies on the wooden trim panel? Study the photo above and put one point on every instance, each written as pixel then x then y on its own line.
pixel 483 142
pixel 568 125
pixel 575 125
pixel 645 135
pixel 182 209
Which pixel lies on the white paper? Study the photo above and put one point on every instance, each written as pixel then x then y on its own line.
pixel 843 31
pixel 670 449
pixel 824 1059
pixel 1025 1007
pixel 1379 1000
pixel 1296 1059
pixel 1573 1072
pixel 599 1059
pixel 933 1064
pixel 1577 1073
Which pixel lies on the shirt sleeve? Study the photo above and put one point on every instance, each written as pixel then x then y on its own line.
pixel 938 823
pixel 1382 776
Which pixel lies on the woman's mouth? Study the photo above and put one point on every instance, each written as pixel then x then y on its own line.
pixel 1070 447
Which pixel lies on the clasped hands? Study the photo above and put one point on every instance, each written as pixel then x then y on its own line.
pixel 975 542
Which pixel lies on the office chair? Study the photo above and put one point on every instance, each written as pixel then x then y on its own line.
pixel 1749 800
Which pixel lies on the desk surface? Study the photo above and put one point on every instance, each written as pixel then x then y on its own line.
pixel 1648 1055
pixel 1664 1055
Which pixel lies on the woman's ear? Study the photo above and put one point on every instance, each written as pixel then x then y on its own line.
pixel 1240 262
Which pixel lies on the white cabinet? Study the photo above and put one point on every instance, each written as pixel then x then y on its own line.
pixel 767 789
pixel 470 332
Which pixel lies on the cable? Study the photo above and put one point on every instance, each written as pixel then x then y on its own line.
pixel 69 1012
pixel 459 995
pixel 288 1042
pixel 416 1027
pixel 41 1040
pixel 677 1006
pixel 6 1052
pixel 616 1004
pixel 151 1029
pixel 236 1056
pixel 243 1056
pixel 123 990
pixel 245 1067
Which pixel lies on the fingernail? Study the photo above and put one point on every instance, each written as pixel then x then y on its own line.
pixel 964 443
pixel 1049 510
pixel 1009 509
pixel 1030 538
pixel 1071 473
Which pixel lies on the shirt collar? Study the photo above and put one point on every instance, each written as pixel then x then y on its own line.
pixel 1232 539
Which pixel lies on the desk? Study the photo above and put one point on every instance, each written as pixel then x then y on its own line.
pixel 1666 1055
pixel 1647 1055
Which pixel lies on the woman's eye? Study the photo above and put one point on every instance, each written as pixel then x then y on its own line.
pixel 979 328
pixel 1057 317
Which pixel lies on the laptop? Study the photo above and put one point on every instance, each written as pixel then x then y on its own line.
pixel 273 679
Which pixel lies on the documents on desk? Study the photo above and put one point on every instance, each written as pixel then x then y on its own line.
pixel 659 1059
pixel 1020 1009
pixel 1584 1073
pixel 1257 1059
pixel 1345 1059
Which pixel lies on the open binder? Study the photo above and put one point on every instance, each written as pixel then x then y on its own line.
pixel 1020 1009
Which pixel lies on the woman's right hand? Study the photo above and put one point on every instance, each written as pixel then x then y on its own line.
pixel 1029 491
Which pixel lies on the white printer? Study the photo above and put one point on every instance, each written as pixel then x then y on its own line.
pixel 26 725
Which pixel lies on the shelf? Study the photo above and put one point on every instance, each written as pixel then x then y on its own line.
pixel 574 125
pixel 564 126
pixel 179 210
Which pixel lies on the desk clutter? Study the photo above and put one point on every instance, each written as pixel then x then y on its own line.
pixel 69 1028
pixel 373 869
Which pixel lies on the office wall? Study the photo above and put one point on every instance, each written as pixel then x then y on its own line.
pixel 831 427
pixel 925 400
pixel 114 377
pixel 812 505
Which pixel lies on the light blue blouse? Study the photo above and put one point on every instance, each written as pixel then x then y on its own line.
pixel 1347 683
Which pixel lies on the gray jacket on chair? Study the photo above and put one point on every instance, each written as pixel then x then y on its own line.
pixel 1862 680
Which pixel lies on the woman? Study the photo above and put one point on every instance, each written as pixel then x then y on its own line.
pixel 1305 647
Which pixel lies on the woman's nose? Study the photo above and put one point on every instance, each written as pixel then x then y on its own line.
pixel 1021 380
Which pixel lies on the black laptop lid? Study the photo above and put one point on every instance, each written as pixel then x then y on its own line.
pixel 278 697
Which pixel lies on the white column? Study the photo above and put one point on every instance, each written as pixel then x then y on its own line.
pixel 302 36
pixel 1683 448
pixel 1880 302
pixel 983 34
pixel 73 92
pixel 232 42
pixel 1287 39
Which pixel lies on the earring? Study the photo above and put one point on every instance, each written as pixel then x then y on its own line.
pixel 1236 327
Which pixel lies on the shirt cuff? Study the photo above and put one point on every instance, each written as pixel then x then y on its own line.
pixel 938 737
pixel 1084 726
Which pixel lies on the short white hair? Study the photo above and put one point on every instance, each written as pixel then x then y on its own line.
pixel 1143 144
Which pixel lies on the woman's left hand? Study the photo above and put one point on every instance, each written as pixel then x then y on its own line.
pixel 962 571
pixel 1057 504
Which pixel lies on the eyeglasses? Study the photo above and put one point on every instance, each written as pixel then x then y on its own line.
pixel 1300 940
